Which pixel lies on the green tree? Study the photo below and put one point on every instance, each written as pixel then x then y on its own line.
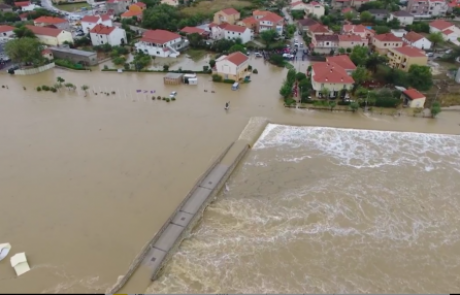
pixel 366 17
pixel 23 32
pixel 268 36
pixel 359 55
pixel 325 92
pixel 456 11
pixel 374 61
pixel 237 47
pixel 354 106
pixel 212 63
pixel 25 50
pixel 141 60
pixel 277 59
pixel 420 77
pixel 435 39
pixel 342 50
pixel 381 29
pixel 349 16
pixel 165 68
pixel 196 40
pixel 332 105
pixel 286 90
pixel 360 75
pixel 291 75
pixel 394 23
pixel 300 76
pixel 60 80
pixel 85 89
pixel 297 14
pixel 435 109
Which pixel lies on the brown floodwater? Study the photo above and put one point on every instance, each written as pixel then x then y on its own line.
pixel 87 181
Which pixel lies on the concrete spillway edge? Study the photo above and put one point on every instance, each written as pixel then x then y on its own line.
pixel 162 246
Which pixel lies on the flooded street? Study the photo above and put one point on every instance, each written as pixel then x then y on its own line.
pixel 86 182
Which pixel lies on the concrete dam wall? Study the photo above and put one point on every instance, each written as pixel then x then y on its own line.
pixel 159 250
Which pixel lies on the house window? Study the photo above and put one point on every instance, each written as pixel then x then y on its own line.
pixel 385 44
pixel 158 52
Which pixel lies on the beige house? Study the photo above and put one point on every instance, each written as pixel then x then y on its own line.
pixel 233 66
pixel 413 99
pixel 343 61
pixel 313 7
pixel 350 41
pixel 360 30
pixel 383 42
pixel 227 15
pixel 403 57
pixel 50 36
pixel 318 30
pixel 330 76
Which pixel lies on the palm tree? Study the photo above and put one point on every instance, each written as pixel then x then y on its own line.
pixel 85 88
pixel 436 39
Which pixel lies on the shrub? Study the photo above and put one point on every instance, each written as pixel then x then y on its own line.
pixel 39 88
pixel 343 103
pixel 52 89
pixel 289 101
pixel 113 92
pixel 173 98
pixel 164 98
pixel 229 81
pixel 249 67
pixel 45 88
pixel 158 97
pixel 153 97
pixel 106 67
pixel 255 71
pixel 216 78
pixel 167 99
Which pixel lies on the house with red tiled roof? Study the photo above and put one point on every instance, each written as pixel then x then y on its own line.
pixel 341 4
pixel 350 41
pixel 48 54
pixel 314 8
pixel 305 24
pixel 5 7
pixel 324 44
pixel 234 66
pixel 330 76
pixel 404 17
pixel 269 21
pixel 319 29
pixel 227 15
pixel 46 21
pixel 448 30
pixel 119 6
pixel 101 35
pixel 413 98
pixel 427 8
pixel 90 21
pixel 51 36
pixel 417 40
pixel 130 14
pixel 161 43
pixel 403 58
pixel 233 32
pixel 26 5
pixel 381 43
pixel 360 30
pixel 343 61
pixel 249 22
pixel 192 30
pixel 6 31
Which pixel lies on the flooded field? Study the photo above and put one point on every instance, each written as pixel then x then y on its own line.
pixel 87 181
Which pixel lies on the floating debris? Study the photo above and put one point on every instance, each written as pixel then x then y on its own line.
pixel 20 264
pixel 4 250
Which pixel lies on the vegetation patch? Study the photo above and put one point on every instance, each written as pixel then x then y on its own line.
pixel 72 6
pixel 196 54
pixel 206 7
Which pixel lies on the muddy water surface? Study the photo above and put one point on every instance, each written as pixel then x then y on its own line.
pixel 86 182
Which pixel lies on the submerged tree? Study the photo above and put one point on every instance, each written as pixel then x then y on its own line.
pixel 85 89
pixel 25 51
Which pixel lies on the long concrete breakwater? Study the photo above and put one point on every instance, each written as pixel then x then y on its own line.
pixel 148 264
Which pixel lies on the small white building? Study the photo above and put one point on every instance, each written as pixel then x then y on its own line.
pixel 26 5
pixel 233 32
pixel 413 98
pixel 161 43
pixel 399 32
pixel 6 31
pixel 416 40
pixel 448 30
pixel 101 34
pixel 233 66
pixel 90 21
pixel 405 18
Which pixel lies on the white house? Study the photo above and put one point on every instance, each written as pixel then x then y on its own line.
pixel 90 21
pixel 405 18
pixel 298 5
pixel 416 40
pixel 233 66
pixel 233 32
pixel 101 34
pixel 271 21
pixel 161 43
pixel 315 8
pixel 6 31
pixel 26 5
pixel 448 30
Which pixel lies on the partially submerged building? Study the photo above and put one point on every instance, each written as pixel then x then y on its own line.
pixel 87 58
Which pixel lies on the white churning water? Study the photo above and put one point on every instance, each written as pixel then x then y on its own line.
pixel 330 210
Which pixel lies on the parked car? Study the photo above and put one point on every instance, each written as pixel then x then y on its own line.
pixel 258 54
pixel 173 94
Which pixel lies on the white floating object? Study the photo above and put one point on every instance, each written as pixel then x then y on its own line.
pixel 4 250
pixel 19 263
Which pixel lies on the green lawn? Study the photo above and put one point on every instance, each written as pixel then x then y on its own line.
pixel 73 6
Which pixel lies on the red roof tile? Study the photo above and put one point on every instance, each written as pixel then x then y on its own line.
pixel 237 58
pixel 234 28
pixel 102 30
pixel 440 24
pixel 348 9
pixel 22 3
pixel 273 17
pixel 250 20
pixel 229 11
pixel 106 17
pixel 410 51
pixel 192 30
pixel 319 29
pixel 44 31
pixel 90 19
pixel 343 61
pixel 447 32
pixel 294 4
pixel 140 4
pixel 4 28
pixel 49 20
pixel 130 13
pixel 325 72
pixel 413 37
pixel 413 94
pixel 388 37
pixel 350 38
pixel 159 36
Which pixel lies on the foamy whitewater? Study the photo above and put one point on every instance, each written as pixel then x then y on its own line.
pixel 329 210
